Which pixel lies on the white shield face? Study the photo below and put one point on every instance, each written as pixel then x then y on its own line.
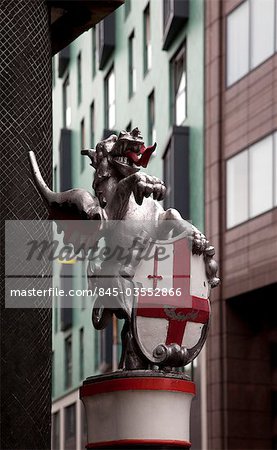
pixel 172 305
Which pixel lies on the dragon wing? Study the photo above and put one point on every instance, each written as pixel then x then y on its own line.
pixel 65 208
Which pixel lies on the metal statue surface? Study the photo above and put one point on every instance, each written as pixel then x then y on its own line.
pixel 171 331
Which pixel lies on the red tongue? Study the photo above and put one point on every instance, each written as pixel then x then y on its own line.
pixel 141 158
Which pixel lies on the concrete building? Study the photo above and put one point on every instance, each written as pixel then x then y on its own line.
pixel 142 66
pixel 241 220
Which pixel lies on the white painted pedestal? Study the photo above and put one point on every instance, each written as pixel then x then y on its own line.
pixel 138 409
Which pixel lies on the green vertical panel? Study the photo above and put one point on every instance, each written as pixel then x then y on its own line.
pixel 195 100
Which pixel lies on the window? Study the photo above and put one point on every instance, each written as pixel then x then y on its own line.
pixel 110 100
pixel 79 78
pixel 92 125
pixel 84 282
pixel 261 176
pixel 56 431
pixel 262 30
pixel 56 312
pixel 63 61
pixel 66 104
pixel 106 39
pixel 106 348
pixel 84 430
pixel 151 118
pixel 70 427
pixel 81 353
pixel 132 70
pixel 237 189
pixel 178 87
pixel 53 373
pixel 169 177
pixel 96 350
pixel 168 11
pixel 175 16
pixel 176 171
pixel 53 72
pixel 55 179
pixel 127 8
pixel 251 37
pixel 66 284
pixel 251 181
pixel 94 51
pixel 238 43
pixel 68 362
pixel 147 40
pixel 82 143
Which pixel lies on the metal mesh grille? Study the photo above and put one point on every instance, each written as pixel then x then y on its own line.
pixel 25 124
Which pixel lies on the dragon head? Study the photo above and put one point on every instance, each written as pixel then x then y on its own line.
pixel 119 157
pixel 129 149
pixel 126 153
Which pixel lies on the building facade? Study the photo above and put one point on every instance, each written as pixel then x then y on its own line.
pixel 142 66
pixel 241 220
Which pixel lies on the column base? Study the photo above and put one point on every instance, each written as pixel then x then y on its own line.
pixel 138 410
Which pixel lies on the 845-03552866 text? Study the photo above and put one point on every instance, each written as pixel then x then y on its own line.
pixel 99 291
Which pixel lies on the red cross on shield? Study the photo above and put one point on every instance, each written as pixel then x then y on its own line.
pixel 173 302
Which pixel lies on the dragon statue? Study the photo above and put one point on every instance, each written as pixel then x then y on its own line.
pixel 124 194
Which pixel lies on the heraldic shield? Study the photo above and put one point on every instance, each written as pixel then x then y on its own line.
pixel 172 310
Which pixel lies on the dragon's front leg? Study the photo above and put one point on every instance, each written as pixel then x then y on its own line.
pixel 142 186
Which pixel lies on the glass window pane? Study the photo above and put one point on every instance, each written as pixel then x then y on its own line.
pixel 70 427
pixel 66 104
pixel 182 84
pixel 134 80
pixel 180 108
pixel 261 177
pixel 56 431
pixel 111 116
pixel 237 189
pixel 149 56
pixel 238 43
pixel 111 87
pixel 262 30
